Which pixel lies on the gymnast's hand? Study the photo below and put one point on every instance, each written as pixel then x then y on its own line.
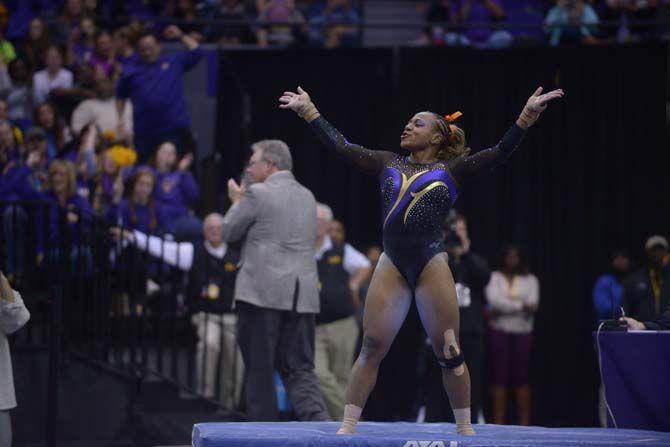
pixel 300 103
pixel 535 106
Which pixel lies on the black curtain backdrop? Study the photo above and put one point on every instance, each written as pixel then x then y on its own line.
pixel 591 175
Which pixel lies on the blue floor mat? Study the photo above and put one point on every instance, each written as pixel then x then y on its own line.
pixel 405 434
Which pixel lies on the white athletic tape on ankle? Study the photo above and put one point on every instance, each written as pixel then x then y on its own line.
pixel 352 414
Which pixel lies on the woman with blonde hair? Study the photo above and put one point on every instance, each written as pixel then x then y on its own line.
pixel 418 190
pixel 59 208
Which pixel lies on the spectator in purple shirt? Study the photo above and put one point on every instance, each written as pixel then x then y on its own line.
pixel 57 131
pixel 108 180
pixel 154 84
pixel 103 59
pixel 124 42
pixel 9 147
pixel 335 25
pixel 139 211
pixel 60 206
pixel 14 175
pixel 177 191
pixel 36 43
pixel 476 12
pixel 83 153
pixel 81 42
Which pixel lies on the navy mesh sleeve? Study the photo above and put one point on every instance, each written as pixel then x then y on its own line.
pixel 366 159
pixel 488 157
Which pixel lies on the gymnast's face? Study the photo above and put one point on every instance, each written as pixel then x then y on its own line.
pixel 420 133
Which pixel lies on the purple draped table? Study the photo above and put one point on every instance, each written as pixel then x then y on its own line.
pixel 636 373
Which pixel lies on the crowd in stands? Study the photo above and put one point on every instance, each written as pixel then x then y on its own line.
pixel 93 29
pixel 500 23
pixel 93 114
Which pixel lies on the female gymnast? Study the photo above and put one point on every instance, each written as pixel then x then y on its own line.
pixel 417 191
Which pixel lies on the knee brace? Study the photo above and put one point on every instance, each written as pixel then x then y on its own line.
pixel 454 358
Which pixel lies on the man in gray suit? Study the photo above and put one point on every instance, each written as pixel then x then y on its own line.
pixel 276 291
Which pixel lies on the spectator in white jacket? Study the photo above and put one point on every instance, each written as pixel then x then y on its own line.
pixel 513 294
pixel 13 315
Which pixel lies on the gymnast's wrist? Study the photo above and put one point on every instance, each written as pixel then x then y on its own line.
pixel 309 113
pixel 527 118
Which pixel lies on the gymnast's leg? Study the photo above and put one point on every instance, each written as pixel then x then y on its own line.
pixel 386 306
pixel 438 308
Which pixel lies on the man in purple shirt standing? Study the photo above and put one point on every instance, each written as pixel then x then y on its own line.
pixel 154 84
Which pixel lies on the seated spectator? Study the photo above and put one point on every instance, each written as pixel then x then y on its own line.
pixel 212 267
pixel 63 207
pixel 335 25
pixel 647 290
pixel 608 289
pixel 53 77
pixel 101 111
pixel 130 10
pixel 33 177
pixel 81 42
pixel 13 316
pixel 7 53
pixel 437 14
pixel 184 12
pixel 19 94
pixel 82 153
pixel 71 16
pixel 473 13
pixel 98 9
pixel 103 59
pixel 10 145
pixel 284 22
pixel 13 175
pixel 526 18
pixel 139 210
pixel 58 133
pixel 37 147
pixel 124 43
pixel 571 22
pixel 67 100
pixel 229 34
pixel 20 13
pixel 159 107
pixel 36 43
pixel 626 11
pixel 337 232
pixel 660 323
pixel 112 164
pixel 177 191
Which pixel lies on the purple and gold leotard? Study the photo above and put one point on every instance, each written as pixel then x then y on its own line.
pixel 416 197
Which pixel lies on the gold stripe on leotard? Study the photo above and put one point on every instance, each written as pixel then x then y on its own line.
pixel 403 189
pixel 417 196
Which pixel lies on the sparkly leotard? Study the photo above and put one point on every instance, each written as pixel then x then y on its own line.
pixel 416 197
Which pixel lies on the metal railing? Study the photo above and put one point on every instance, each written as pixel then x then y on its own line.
pixel 89 299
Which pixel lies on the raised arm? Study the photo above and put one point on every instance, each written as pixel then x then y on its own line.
pixel 177 254
pixel 366 159
pixel 506 146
